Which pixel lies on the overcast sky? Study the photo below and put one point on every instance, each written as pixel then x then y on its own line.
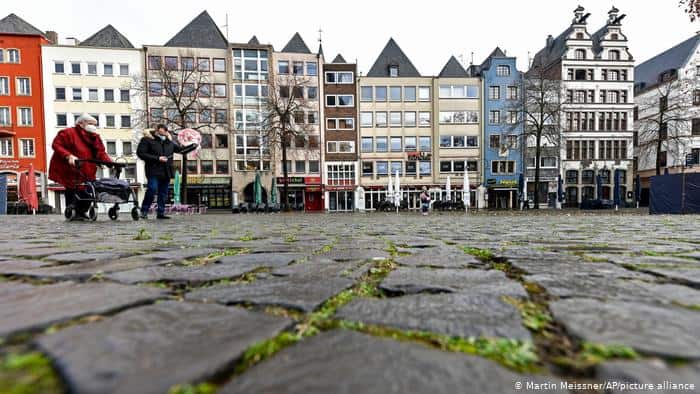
pixel 429 32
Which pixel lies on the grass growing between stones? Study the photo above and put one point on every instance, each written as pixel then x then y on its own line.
pixel 481 254
pixel 28 373
pixel 202 388
pixel 142 235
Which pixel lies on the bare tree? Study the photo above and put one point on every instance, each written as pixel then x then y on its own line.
pixel 541 108
pixel 179 96
pixel 665 118
pixel 284 120
pixel 691 7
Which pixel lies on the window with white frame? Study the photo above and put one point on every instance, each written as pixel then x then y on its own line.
pixel 424 119
pixel 6 147
pixel 78 94
pixel 341 174
pixel 503 70
pixel 513 93
pixel 124 70
pixel 23 86
pixel 424 93
pixel 92 95
pixel 125 121
pixel 340 147
pixel 340 100
pixel 502 167
pixel 111 147
pixel 512 117
pixel 494 117
pixel 367 144
pixel 4 86
pixel 61 120
pixel 92 68
pixel 5 119
pixel 340 123
pixel 109 121
pixel 494 92
pixel 25 116
pixel 395 119
pixel 366 93
pixel 395 93
pixel 109 95
pixel 311 68
pixel 75 68
pixel 339 77
pixel 409 93
pixel 459 91
pixel 366 119
pixel 409 119
pixel 380 119
pixel 2 55
pixel 59 67
pixel 27 145
pixel 13 55
pixel 459 117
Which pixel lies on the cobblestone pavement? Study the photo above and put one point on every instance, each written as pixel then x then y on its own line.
pixel 363 303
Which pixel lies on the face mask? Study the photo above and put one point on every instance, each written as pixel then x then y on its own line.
pixel 162 137
pixel 91 128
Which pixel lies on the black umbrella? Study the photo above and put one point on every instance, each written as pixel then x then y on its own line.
pixel 599 185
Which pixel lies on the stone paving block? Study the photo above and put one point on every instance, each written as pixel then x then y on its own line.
pixel 462 315
pixel 663 331
pixel 359 363
pixel 446 257
pixel 27 307
pixel 152 348
pixel 653 372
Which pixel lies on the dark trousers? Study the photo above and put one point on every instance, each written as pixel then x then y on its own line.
pixel 80 206
pixel 159 187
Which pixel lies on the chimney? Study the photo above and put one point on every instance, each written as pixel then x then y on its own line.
pixel 550 40
pixel 52 36
pixel 73 41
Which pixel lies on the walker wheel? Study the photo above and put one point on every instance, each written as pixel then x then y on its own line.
pixel 112 213
pixel 92 214
pixel 69 213
pixel 135 213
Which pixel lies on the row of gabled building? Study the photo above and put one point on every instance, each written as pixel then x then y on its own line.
pixel 359 128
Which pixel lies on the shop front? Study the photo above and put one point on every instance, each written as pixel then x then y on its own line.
pixel 305 193
pixel 340 198
pixel 502 193
pixel 212 192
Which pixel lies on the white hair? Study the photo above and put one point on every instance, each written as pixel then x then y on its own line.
pixel 85 118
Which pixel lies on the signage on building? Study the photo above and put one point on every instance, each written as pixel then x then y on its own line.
pixel 508 182
pixel 339 188
pixel 416 156
pixel 9 164
pixel 312 180
pixel 692 159
pixel 490 181
pixel 292 180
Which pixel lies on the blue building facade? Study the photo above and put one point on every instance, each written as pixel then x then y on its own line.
pixel 502 140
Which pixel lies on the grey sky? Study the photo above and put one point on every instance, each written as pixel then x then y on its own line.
pixel 428 31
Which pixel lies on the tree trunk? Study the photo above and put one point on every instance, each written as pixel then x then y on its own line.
pixel 285 188
pixel 538 153
pixel 658 155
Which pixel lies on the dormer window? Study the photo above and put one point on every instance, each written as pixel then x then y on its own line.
pixel 614 55
pixel 393 70
pixel 614 37
pixel 580 54
pixel 579 36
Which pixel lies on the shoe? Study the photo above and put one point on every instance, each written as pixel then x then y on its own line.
pixel 162 217
pixel 143 216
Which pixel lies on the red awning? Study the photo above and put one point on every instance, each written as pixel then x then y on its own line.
pixel 7 133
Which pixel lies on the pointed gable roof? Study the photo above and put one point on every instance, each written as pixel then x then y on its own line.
pixel 320 49
pixel 13 24
pixel 296 45
pixel 339 59
pixel 673 58
pixel 487 62
pixel 392 55
pixel 554 51
pixel 453 69
pixel 108 37
pixel 253 41
pixel 201 32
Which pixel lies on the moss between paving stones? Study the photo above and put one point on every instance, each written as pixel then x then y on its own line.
pixel 202 388
pixel 482 254
pixel 142 235
pixel 28 373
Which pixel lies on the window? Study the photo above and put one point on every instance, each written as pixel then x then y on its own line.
pixel 424 119
pixel 219 65
pixel 5 116
pixel 155 62
pixel 314 166
pixel 339 77
pixel 205 116
pixel 58 67
pixel 340 100
pixel 503 71
pixel 424 93
pixel 77 94
pixel 13 56
pixel 395 93
pixel 108 69
pixel 395 119
pixel 206 167
pixel 125 121
pixel 409 119
pixel 580 54
pixel 124 95
pixel 411 168
pixel 424 144
pixel 109 95
pixel 393 71
pixel 311 68
pixel 222 167
pixel 425 168
pixel 614 55
pixel 381 120
pixel 92 95
pixel 124 70
pixel 283 67
pixel 219 90
pixel 187 63
pixel 396 166
pixel 312 118
pixel 23 86
pixel 366 93
pixel 571 177
pixel 494 117
pixel 92 69
pixel 366 119
pixel 396 144
pixel 381 144
pixel 502 167
pixel 695 129
pixel 367 144
pixel 298 68
pixel 548 162
pixel 494 92
pixel 155 88
pixel 410 144
pixel 513 93
pixel 380 93
pixel 75 68
pixel 459 117
pixel 367 168
pixel 382 168
pixel 203 64
pixel 61 120
pixel 27 145
pixel 109 121
pixel 494 141
pixel 111 148
pixel 220 116
pixel 312 93
pixel 207 142
pixel 6 147
pixel 4 86
pixel 409 93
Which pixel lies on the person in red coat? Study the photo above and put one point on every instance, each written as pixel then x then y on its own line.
pixel 76 143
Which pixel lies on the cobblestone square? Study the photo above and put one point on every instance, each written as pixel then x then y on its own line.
pixel 351 303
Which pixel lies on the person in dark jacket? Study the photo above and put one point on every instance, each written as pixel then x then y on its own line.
pixel 156 149
pixel 80 142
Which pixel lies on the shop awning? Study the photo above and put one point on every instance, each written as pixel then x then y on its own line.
pixel 7 133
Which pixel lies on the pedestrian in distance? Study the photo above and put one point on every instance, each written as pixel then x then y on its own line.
pixel 71 145
pixel 156 149
pixel 424 201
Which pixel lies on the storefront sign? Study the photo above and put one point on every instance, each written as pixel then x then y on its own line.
pixel 292 180
pixel 491 181
pixel 313 188
pixel 416 156
pixel 312 180
pixel 9 164
pixel 339 188
pixel 508 182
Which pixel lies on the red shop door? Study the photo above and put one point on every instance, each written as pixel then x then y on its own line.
pixel 312 201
